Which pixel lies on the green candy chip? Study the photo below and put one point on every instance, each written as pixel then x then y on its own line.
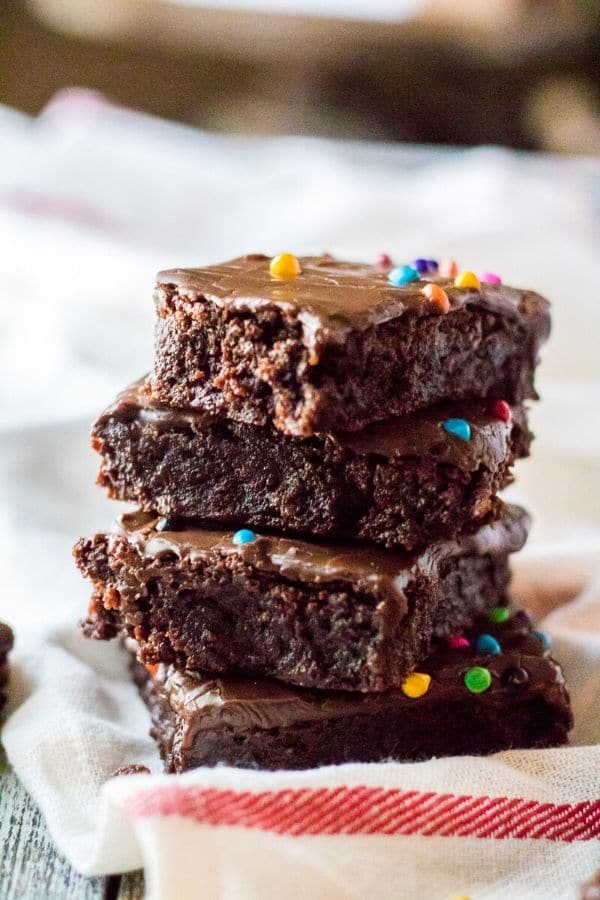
pixel 499 614
pixel 478 679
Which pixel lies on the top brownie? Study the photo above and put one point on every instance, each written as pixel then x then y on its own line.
pixel 338 346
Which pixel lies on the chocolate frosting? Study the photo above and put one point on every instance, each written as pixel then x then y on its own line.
pixel 245 703
pixel 418 435
pixel 384 571
pixel 331 296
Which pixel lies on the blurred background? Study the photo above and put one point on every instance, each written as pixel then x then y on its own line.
pixel 522 73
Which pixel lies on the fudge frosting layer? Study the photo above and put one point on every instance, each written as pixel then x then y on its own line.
pixel 387 572
pixel 331 296
pixel 420 434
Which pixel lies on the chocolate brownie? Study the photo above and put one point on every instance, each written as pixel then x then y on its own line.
pixel 401 483
pixel 328 616
pixel 6 643
pixel 337 347
pixel 492 689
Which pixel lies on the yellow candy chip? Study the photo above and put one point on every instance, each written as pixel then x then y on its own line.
pixel 285 265
pixel 467 280
pixel 416 684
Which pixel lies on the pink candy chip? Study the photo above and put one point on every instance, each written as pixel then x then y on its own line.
pixel 457 642
pixel 384 262
pixel 490 278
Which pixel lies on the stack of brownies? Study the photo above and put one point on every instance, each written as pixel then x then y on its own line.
pixel 317 570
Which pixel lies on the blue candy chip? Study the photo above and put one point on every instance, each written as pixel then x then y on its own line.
pixel 421 265
pixel 487 644
pixel 243 536
pixel 460 428
pixel 543 638
pixel 403 275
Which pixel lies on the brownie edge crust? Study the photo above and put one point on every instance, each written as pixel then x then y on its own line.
pixel 520 701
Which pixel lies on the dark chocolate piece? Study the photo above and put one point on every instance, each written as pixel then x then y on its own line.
pixel 6 645
pixel 337 347
pixel 336 616
pixel 401 483
pixel 200 720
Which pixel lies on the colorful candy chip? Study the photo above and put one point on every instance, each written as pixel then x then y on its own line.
pixel 437 297
pixel 416 685
pixel 543 638
pixel 460 428
pixel 467 280
pixel 477 679
pixel 500 410
pixel 402 275
pixel 425 266
pixel 165 524
pixel 499 614
pixel 384 262
pixel 490 278
pixel 487 643
pixel 457 642
pixel 448 268
pixel 285 265
pixel 522 618
pixel 243 536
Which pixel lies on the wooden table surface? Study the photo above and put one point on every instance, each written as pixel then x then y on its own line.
pixel 31 867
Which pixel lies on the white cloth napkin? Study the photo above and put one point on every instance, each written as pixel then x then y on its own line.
pixel 93 200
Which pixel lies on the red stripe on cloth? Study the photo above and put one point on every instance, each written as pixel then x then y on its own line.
pixel 373 810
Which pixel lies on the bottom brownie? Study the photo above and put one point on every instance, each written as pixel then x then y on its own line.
pixel 492 688
pixel 6 642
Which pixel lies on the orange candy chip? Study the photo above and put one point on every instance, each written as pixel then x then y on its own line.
pixel 151 669
pixel 437 297
pixel 448 268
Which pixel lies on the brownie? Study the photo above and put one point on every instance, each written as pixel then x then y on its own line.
pixel 346 617
pixel 6 644
pixel 337 347
pixel 463 700
pixel 402 483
